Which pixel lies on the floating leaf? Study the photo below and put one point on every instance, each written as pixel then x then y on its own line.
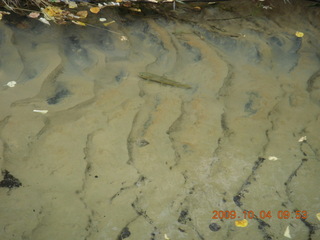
pixel 50 13
pixel 318 216
pixel 79 23
pixel 241 223
pixel 95 10
pixel 82 14
pixel 102 19
pixel 34 15
pixel 108 23
pixel 273 158
pixel 299 34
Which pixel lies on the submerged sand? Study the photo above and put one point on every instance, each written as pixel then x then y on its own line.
pixel 119 157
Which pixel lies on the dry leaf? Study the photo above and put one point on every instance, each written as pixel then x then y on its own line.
pixel 82 14
pixel 95 10
pixel 34 14
pixel 79 23
pixel 52 11
pixel 40 111
pixel 108 23
pixel 299 34
pixel 241 223
pixel 102 19
pixel 72 5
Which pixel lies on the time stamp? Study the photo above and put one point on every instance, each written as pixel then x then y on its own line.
pixel 261 214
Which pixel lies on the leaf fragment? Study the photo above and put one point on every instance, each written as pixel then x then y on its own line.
pixel 108 23
pixel 79 23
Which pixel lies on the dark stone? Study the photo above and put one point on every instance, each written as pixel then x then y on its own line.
pixel 237 200
pixel 9 181
pixel 183 217
pixel 214 227
pixel 58 96
pixel 125 233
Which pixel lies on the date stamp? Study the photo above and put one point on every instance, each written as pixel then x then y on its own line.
pixel 261 214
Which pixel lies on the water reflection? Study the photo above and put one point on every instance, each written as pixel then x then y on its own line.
pixel 120 157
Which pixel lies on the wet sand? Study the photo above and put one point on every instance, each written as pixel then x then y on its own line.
pixel 119 157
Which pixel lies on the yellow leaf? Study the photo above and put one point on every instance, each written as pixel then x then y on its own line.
pixel 108 23
pixel 0 16
pixel 299 34
pixel 79 23
pixel 241 223
pixel 82 14
pixel 95 9
pixel 52 11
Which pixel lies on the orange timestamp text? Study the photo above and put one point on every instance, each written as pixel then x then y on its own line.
pixel 262 214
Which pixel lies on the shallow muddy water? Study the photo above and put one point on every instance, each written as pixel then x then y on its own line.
pixel 120 157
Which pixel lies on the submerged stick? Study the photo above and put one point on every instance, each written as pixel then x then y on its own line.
pixel 162 80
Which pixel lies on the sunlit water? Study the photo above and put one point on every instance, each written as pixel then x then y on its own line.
pixel 118 157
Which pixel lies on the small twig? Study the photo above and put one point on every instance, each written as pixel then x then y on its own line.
pixel 223 19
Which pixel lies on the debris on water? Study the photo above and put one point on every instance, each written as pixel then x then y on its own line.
pixel 162 80
pixel 11 83
pixel 108 23
pixel 40 111
pixel 318 216
pixel 299 34
pixel 142 142
pixel 82 14
pixel 123 38
pixel 166 237
pixel 303 139
pixel 241 223
pixel 287 232
pixel 273 158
